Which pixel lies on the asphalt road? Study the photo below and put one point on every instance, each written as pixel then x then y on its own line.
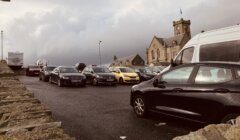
pixel 103 113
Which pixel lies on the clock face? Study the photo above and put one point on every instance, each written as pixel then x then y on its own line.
pixel 178 28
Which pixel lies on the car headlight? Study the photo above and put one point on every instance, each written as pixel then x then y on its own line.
pixel 99 76
pixel 65 77
pixel 47 73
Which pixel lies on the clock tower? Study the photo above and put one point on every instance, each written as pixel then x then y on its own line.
pixel 182 27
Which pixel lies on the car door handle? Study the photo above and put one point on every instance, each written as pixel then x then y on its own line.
pixel 177 89
pixel 222 90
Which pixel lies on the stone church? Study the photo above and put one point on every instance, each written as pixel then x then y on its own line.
pixel 162 50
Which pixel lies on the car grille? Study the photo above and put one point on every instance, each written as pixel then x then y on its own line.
pixel 75 78
pixel 108 77
pixel 132 76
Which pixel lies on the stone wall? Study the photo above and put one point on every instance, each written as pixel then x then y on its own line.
pixel 215 132
pixel 22 117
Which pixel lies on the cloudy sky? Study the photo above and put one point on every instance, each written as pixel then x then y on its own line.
pixel 68 31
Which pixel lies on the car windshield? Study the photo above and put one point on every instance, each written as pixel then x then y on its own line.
pixel 68 70
pixel 126 70
pixel 50 68
pixel 100 70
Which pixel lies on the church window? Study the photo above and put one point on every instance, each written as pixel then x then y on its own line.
pixel 153 55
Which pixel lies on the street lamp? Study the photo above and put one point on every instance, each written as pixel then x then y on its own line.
pixel 2 45
pixel 99 45
pixel 2 35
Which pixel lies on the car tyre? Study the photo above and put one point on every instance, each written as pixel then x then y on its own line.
pixel 40 78
pixel 60 84
pixel 50 80
pixel 95 82
pixel 140 106
pixel 230 119
pixel 43 78
pixel 121 80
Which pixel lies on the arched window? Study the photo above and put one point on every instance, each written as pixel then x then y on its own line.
pixel 153 55
pixel 158 54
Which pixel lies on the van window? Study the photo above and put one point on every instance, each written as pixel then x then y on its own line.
pixel 185 56
pixel 224 51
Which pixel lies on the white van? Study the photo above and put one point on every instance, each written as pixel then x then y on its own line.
pixel 216 45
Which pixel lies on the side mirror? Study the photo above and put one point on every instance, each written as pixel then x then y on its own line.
pixel 160 84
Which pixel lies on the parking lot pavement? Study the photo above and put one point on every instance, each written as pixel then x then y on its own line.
pixel 103 113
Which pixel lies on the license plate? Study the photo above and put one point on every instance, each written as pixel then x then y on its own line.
pixel 76 81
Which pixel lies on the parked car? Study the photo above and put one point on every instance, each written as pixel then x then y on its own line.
pixel 206 92
pixel 99 75
pixel 45 73
pixel 125 75
pixel 144 73
pixel 33 70
pixel 63 76
pixel 156 69
pixel 216 45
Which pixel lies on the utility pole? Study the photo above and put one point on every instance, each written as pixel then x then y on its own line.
pixel 99 45
pixel 1 45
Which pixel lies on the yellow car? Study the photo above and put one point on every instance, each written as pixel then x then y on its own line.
pixel 125 75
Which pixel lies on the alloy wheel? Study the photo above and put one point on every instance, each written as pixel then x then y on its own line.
pixel 231 122
pixel 139 106
pixel 95 82
pixel 121 80
pixel 59 83
pixel 50 80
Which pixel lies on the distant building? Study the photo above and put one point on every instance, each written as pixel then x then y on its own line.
pixel 130 61
pixel 161 50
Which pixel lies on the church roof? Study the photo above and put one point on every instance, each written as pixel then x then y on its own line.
pixel 169 41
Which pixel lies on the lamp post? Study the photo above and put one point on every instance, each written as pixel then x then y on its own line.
pixel 1 45
pixel 99 46
pixel 2 35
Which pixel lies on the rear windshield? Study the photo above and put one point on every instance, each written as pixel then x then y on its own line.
pixel 224 51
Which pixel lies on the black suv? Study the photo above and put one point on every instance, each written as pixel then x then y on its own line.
pixel 45 72
pixel 99 75
pixel 203 92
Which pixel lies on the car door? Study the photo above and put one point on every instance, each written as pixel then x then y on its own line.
pixel 167 97
pixel 209 92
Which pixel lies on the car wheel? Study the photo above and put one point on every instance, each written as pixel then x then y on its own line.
pixel 140 106
pixel 95 82
pixel 40 78
pixel 230 119
pixel 43 78
pixel 50 80
pixel 60 83
pixel 121 80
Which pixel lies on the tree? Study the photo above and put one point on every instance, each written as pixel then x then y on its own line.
pixel 80 66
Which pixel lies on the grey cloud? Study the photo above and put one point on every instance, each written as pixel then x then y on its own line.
pixel 69 32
